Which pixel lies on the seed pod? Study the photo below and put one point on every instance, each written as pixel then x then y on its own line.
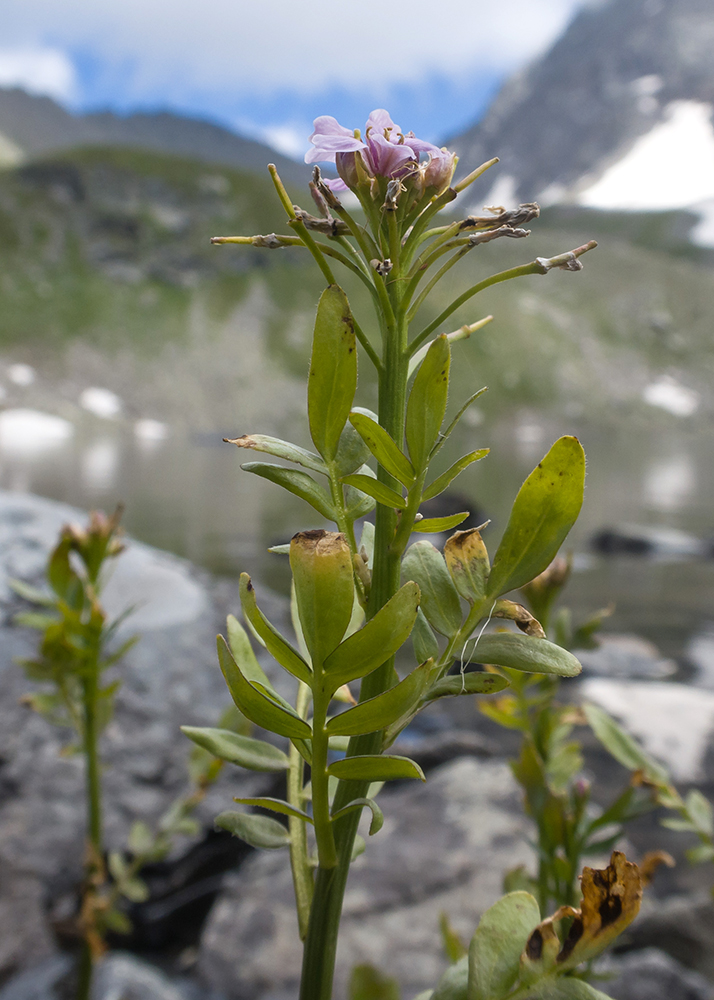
pixel 322 570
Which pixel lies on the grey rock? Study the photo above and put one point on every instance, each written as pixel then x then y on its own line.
pixel 41 982
pixel 674 723
pixel 626 656
pixel 169 678
pixel 652 975
pixel 445 846
pixel 700 653
pixel 124 977
pixel 683 927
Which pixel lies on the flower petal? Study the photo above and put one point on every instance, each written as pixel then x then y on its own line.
pixel 329 138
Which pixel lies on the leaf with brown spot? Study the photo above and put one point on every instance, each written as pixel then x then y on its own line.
pixel 518 614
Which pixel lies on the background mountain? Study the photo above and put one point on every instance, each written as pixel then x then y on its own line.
pixel 624 73
pixel 32 126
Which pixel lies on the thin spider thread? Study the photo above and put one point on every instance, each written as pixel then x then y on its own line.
pixel 463 661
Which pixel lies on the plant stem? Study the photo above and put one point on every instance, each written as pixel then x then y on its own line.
pixel 94 822
pixel 321 942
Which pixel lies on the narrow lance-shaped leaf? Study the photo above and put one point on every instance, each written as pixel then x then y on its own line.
pixel 256 755
pixel 377 713
pixel 382 767
pixel 378 491
pixel 352 452
pixel 623 747
pixel 427 402
pixel 333 371
pixel 357 502
pixel 321 563
pixel 259 831
pixel 384 448
pixel 280 449
pixel 433 525
pixel 439 599
pixel 521 652
pixel 377 815
pixel 375 642
pixel 275 644
pixel 544 511
pixel 240 647
pixel 275 805
pixel 446 478
pixel 423 639
pixel 298 483
pixel 257 705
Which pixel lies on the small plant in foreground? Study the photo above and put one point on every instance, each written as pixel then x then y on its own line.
pixel 77 647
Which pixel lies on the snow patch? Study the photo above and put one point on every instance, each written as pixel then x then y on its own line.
pixel 669 395
pixel 150 432
pixel 101 402
pixel 28 432
pixel 22 375
pixel 670 167
pixel 503 193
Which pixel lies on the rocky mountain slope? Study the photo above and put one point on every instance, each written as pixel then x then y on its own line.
pixel 617 114
pixel 32 125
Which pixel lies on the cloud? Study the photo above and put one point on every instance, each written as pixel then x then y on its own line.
pixel 38 70
pixel 261 47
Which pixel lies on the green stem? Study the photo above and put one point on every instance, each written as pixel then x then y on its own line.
pixel 321 942
pixel 85 972
pixel 299 861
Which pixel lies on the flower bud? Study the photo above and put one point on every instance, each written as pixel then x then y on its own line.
pixel 321 564
pixel 347 168
pixel 468 563
pixel 439 170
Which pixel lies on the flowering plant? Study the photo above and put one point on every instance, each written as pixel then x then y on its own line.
pixel 355 602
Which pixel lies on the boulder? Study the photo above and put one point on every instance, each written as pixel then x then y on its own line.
pixel 652 975
pixel 626 656
pixel 445 847
pixel 681 926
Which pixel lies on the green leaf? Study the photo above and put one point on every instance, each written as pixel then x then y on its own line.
pixel 701 854
pixel 700 812
pixel 474 682
pixel 275 805
pixel 367 983
pixel 256 755
pixel 377 713
pixel 140 839
pixel 35 619
pixel 135 890
pixel 496 947
pixel 427 402
pixel 333 371
pixel 423 640
pixel 524 652
pixel 280 449
pixel 622 746
pixel 275 644
pixel 359 504
pixel 358 847
pixel 299 483
pixel 375 642
pixel 384 448
pixel 381 767
pixel 432 525
pixel 378 491
pixel 442 482
pixel 256 704
pixel 118 922
pixel 377 815
pixel 32 594
pixel 321 563
pixel 439 598
pixel 454 947
pixel 454 983
pixel 352 452
pixel 243 654
pixel 544 511
pixel 258 831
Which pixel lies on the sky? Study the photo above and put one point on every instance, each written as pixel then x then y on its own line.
pixel 267 68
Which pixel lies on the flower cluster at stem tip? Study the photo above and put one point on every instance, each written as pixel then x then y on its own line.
pixel 386 151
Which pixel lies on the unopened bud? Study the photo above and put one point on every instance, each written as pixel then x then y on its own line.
pixel 518 614
pixel 439 171
pixel 324 588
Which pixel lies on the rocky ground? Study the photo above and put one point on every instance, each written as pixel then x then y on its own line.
pixel 219 923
